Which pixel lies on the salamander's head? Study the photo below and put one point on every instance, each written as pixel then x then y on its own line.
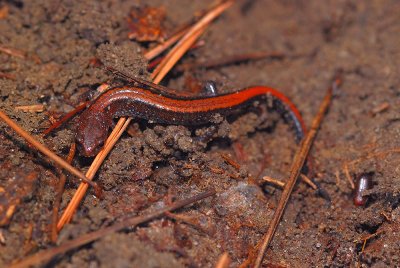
pixel 91 132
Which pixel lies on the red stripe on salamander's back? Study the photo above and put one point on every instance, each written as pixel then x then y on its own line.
pixel 93 124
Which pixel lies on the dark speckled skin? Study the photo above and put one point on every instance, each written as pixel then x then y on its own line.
pixel 95 121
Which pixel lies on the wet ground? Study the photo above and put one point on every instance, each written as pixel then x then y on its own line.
pixel 158 162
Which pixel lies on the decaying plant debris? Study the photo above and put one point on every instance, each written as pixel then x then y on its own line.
pixel 50 46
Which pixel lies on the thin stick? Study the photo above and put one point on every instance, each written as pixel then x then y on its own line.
pixel 154 52
pixel 298 162
pixel 348 177
pixel 36 108
pixel 175 54
pixel 49 254
pixel 223 261
pixel 103 87
pixel 157 50
pixel 60 190
pixel 281 184
pixel 153 64
pixel 187 41
pixel 79 194
pixel 116 133
pixel 58 160
pixel 13 52
pixel 308 181
pixel 273 181
pixel 65 118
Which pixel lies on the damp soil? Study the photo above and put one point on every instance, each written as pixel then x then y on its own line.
pixel 156 163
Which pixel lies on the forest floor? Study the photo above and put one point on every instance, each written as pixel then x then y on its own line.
pixel 360 134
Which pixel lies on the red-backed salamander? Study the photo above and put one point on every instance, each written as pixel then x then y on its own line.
pixel 94 123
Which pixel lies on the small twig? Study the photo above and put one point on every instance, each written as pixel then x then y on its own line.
pixel 157 50
pixel 153 64
pixel 36 108
pixel 389 219
pixel 100 89
pixel 223 261
pixel 187 41
pixel 49 254
pixel 13 52
pixel 368 237
pixel 298 162
pixel 308 181
pixel 58 160
pixel 348 177
pixel 154 52
pixel 380 108
pixel 228 159
pixel 19 54
pixel 175 54
pixel 187 220
pixel 337 176
pixel 79 194
pixel 273 181
pixel 60 190
pixel 281 184
pixel 65 118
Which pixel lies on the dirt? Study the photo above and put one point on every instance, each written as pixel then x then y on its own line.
pixel 61 39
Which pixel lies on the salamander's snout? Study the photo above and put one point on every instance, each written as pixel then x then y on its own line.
pixel 91 133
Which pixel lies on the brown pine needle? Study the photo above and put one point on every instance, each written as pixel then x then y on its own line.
pixel 151 54
pixel 273 181
pixel 187 41
pixel 175 55
pixel 281 184
pixel 79 194
pixel 58 160
pixel 118 130
pixel 308 181
pixel 13 52
pixel 223 261
pixel 49 254
pixel 36 108
pixel 348 177
pixel 65 118
pixel 157 50
pixel 298 162
pixel 366 238
pixel 60 190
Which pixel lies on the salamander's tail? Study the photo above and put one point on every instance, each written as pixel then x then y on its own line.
pixel 292 116
pixel 290 113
